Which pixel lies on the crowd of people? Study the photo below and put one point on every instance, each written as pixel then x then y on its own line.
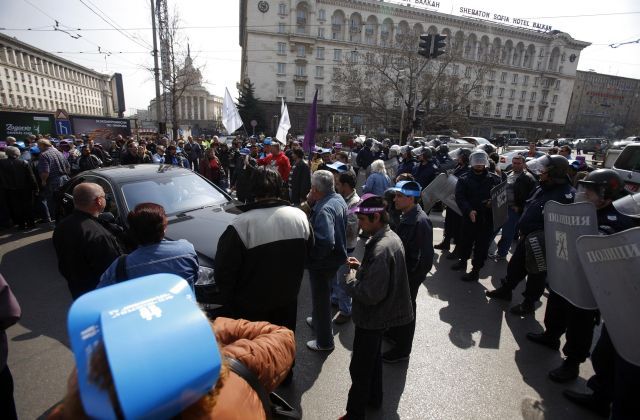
pixel 312 208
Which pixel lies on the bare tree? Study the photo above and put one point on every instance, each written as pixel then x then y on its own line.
pixel 385 83
pixel 180 74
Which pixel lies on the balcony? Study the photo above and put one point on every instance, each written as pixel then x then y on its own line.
pixel 300 78
pixel 336 27
pixel 301 20
pixel 543 104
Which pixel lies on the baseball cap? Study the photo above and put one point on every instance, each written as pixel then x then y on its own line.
pixel 338 167
pixel 267 141
pixel 132 320
pixel 245 151
pixel 362 207
pixel 408 188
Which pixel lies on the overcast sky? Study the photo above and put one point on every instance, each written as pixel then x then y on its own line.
pixel 212 29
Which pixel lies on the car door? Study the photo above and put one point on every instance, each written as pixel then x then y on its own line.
pixel 65 205
pixel 112 203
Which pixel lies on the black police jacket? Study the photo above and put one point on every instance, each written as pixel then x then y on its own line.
pixel 611 220
pixel 473 191
pixel 532 218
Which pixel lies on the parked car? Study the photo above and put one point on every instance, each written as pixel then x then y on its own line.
pixel 620 144
pixel 518 141
pixel 628 166
pixel 588 145
pixel 196 208
pixel 505 159
pixel 477 141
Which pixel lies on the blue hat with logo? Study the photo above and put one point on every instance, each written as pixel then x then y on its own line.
pixel 161 351
pixel 245 151
pixel 408 188
pixel 338 167
pixel 267 141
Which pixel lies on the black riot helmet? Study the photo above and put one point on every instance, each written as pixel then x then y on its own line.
pixel 427 153
pixel 606 182
pixel 487 148
pixel 416 144
pixel 464 154
pixel 555 166
pixel 443 149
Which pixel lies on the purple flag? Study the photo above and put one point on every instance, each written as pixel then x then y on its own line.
pixel 312 125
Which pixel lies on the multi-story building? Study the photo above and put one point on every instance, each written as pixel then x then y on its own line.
pixel 291 47
pixel 197 111
pixel 604 105
pixel 35 80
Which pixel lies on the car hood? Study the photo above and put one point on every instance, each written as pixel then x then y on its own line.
pixel 202 228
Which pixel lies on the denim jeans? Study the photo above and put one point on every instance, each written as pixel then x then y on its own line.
pixel 338 293
pixel 321 301
pixel 508 233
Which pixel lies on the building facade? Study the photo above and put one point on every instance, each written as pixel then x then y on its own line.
pixel 604 105
pixel 197 111
pixel 291 47
pixel 35 80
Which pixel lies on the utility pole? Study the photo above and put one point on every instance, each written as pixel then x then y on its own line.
pixel 156 70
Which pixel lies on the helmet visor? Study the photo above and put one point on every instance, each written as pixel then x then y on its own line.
pixel 477 159
pixel 539 165
pixel 629 205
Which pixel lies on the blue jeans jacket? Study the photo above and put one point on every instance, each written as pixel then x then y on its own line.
pixel 173 257
pixel 329 223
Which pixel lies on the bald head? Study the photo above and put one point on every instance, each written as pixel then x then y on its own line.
pixel 85 198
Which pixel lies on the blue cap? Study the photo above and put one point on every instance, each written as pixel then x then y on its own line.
pixel 408 188
pixel 267 141
pixel 34 149
pixel 160 347
pixel 245 151
pixel 339 167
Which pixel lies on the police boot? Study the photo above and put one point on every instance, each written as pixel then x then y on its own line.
pixel 566 372
pixel 588 401
pixel 473 275
pixel 545 340
pixel 526 307
pixel 443 246
pixel 460 265
pixel 502 292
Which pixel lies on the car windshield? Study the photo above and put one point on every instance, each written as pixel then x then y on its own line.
pixel 176 194
pixel 629 159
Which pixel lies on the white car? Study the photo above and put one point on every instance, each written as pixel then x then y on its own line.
pixel 627 165
pixel 478 141
pixel 505 159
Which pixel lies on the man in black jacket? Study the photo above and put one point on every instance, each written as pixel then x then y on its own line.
pixel 19 185
pixel 84 245
pixel 299 178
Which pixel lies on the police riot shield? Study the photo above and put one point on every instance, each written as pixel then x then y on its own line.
pixel 563 225
pixel 391 166
pixel 499 205
pixel 442 188
pixel 612 266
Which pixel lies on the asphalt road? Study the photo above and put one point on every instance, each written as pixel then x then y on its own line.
pixel 470 358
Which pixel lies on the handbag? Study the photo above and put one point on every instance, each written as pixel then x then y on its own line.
pixel 535 257
pixel 275 407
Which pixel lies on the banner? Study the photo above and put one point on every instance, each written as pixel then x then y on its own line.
pixel 230 116
pixel 285 124
pixel 21 124
pixel 499 205
pixel 101 130
pixel 442 188
pixel 612 266
pixel 563 225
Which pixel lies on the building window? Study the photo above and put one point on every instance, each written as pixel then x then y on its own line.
pixel 300 70
pixel 489 91
pixel 512 94
pixel 515 79
pixel 320 92
pixel 558 84
pixel 282 48
pixel 552 112
pixel 467 72
pixel 301 50
pixel 536 80
pixel 498 109
pixel 486 110
pixel 525 80
pixel 337 55
pixel 541 114
pixel 509 111
pixel 456 69
pixel 544 96
pixel 519 111
pixel 500 92
pixel 555 99
pixel 282 28
pixel 492 75
pixel 353 58
pixel 319 72
pixel 533 96
pixel 300 92
pixel 320 53
pixel 322 15
pixel 321 33
pixel 523 95
pixel 282 9
pixel 282 68
pixel 503 77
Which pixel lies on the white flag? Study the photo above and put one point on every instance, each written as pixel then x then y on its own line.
pixel 285 124
pixel 230 116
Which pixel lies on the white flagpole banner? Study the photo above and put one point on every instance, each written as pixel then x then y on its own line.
pixel 230 116
pixel 612 266
pixel 285 124
pixel 563 225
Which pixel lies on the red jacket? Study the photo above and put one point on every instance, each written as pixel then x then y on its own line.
pixel 281 161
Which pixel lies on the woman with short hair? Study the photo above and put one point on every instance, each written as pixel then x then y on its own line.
pixel 378 182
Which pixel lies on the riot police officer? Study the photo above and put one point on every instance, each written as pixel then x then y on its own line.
pixel 554 185
pixel 473 196
pixel 427 169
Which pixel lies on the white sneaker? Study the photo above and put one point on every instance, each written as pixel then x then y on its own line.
pixel 313 345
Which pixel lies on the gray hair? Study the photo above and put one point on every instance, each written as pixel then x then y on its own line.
pixel 12 151
pixel 322 181
pixel 84 194
pixel 378 166
pixel 11 139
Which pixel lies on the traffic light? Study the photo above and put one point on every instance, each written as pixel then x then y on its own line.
pixel 432 46
pixel 425 45
pixel 439 45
